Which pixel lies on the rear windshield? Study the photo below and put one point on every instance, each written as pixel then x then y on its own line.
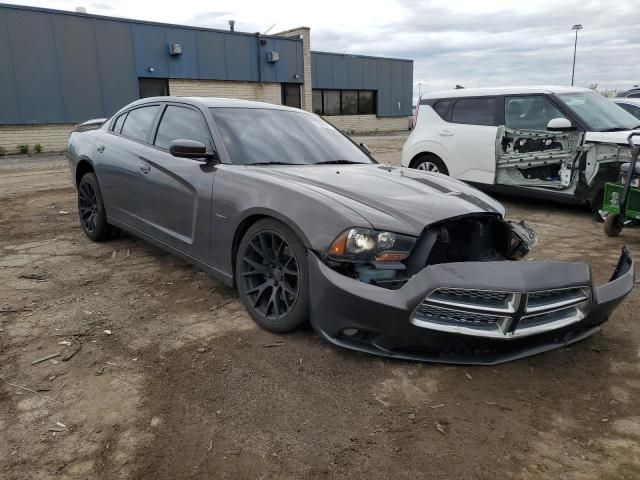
pixel 256 135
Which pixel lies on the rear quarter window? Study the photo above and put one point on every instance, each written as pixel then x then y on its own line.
pixel 442 108
pixel 139 122
pixel 474 111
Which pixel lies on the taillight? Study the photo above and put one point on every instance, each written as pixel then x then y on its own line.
pixel 415 115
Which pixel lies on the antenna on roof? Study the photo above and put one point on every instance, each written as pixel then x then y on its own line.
pixel 232 25
pixel 81 10
pixel 269 29
pixel 459 87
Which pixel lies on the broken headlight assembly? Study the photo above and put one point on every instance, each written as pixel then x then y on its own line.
pixel 363 245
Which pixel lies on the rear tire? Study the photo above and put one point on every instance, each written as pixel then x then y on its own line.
pixel 612 225
pixel 93 217
pixel 272 276
pixel 430 163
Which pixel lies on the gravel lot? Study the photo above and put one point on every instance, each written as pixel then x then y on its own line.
pixel 171 379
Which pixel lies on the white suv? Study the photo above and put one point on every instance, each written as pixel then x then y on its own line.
pixel 564 142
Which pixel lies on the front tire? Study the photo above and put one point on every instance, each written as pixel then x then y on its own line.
pixel 272 276
pixel 93 217
pixel 429 162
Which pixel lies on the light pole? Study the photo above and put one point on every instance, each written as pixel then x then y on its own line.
pixel 576 27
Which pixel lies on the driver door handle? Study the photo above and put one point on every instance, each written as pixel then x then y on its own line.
pixel 143 165
pixel 445 133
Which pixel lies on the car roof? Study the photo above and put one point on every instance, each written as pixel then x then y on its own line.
pixel 487 91
pixel 631 101
pixel 212 102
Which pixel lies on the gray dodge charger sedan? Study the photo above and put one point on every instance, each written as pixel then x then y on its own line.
pixel 308 226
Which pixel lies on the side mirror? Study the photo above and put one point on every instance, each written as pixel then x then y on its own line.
pixel 560 125
pixel 190 149
pixel 364 148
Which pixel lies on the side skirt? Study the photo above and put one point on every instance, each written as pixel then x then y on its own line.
pixel 217 274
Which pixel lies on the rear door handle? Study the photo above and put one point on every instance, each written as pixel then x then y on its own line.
pixel 100 148
pixel 445 133
pixel 143 165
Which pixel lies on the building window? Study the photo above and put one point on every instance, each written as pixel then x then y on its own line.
pixel 331 102
pixel 153 87
pixel 291 95
pixel 366 102
pixel 344 102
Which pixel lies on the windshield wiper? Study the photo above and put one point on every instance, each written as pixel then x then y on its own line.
pixel 274 163
pixel 338 162
pixel 616 129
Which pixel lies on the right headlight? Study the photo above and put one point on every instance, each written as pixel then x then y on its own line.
pixel 362 245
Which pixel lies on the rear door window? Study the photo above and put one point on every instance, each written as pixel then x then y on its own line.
pixel 474 111
pixel 182 123
pixel 117 126
pixel 139 122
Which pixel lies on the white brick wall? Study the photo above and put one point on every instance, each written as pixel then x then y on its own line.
pixel 305 34
pixel 368 123
pixel 263 92
pixel 52 137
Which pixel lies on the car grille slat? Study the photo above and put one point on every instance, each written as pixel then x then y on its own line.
pixel 501 314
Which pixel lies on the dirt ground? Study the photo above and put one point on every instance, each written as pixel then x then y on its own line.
pixel 161 374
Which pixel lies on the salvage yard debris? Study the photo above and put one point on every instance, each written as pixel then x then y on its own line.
pixel 46 357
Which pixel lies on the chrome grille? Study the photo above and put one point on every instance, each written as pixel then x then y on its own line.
pixel 501 314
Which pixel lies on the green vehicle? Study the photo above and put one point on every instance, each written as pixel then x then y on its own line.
pixel 622 199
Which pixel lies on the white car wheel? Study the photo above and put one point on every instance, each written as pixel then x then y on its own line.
pixel 428 166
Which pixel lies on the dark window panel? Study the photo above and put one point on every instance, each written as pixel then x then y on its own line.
pixel 291 95
pixel 442 108
pixel 153 87
pixel 182 123
pixel 474 111
pixel 317 102
pixel 139 122
pixel 331 102
pixel 366 102
pixel 349 102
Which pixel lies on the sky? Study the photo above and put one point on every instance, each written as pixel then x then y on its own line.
pixel 467 42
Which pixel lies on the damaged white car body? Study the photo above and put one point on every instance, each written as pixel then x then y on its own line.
pixel 560 142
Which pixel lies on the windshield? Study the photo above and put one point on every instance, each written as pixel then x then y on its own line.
pixel 600 114
pixel 264 136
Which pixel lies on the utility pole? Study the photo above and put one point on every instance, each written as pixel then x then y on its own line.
pixel 576 27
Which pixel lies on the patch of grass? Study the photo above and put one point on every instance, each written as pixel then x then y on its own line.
pixel 38 148
pixel 23 149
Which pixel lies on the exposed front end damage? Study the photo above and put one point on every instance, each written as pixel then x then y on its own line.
pixel 563 162
pixel 459 298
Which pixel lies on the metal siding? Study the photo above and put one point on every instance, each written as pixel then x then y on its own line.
pixel 408 88
pixel 384 88
pixel 36 68
pixel 211 55
pixel 288 65
pixel 370 73
pixel 355 67
pixel 150 50
pixel 116 64
pixel 184 65
pixel 397 88
pixel 324 71
pixel 78 63
pixel 268 71
pixel 340 72
pixel 9 106
pixel 238 52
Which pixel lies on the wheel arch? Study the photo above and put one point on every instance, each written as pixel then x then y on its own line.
pixel 250 218
pixel 420 155
pixel 83 167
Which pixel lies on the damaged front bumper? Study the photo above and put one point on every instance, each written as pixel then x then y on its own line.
pixel 481 313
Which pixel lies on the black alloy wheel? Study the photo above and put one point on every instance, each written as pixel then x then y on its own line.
pixel 93 218
pixel 271 274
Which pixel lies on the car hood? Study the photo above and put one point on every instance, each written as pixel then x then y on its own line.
pixel 610 137
pixel 390 198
